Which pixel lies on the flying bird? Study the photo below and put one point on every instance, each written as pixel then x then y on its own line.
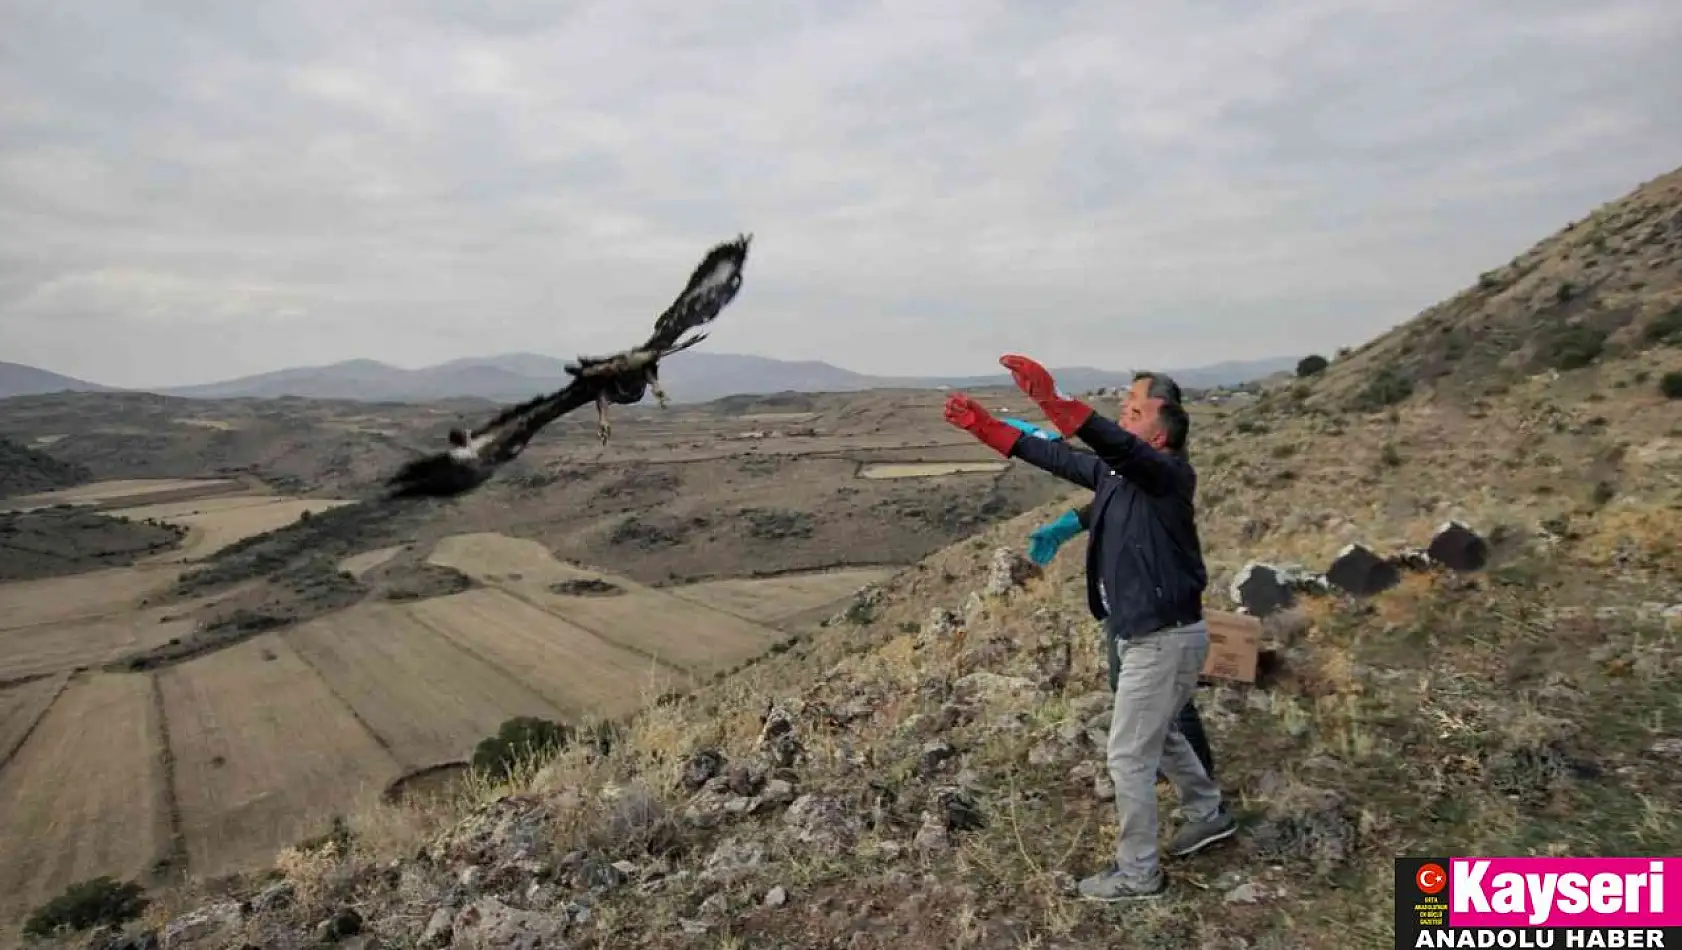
pixel 621 379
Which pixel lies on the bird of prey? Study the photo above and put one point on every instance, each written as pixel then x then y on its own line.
pixel 621 379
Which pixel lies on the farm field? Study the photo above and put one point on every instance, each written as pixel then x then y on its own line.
pixel 580 673
pixel 209 529
pixel 264 753
pixel 21 707
pixel 772 600
pixel 80 596
pixel 929 469
pixel 679 633
pixel 113 490
pixel 85 794
pixel 360 564
pixel 428 699
pixel 63 646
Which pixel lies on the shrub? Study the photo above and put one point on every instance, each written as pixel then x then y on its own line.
pixel 1386 388
pixel 1312 365
pixel 1671 385
pixel 1573 347
pixel 519 740
pixel 1667 328
pixel 92 903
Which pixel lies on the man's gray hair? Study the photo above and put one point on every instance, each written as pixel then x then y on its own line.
pixel 1162 386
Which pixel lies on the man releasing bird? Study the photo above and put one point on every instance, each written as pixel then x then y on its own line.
pixel 620 379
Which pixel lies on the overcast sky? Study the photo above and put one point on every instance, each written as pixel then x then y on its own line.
pixel 193 190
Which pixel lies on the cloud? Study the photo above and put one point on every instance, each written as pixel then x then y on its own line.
pixel 190 191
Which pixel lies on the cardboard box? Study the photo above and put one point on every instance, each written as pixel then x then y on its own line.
pixel 1234 643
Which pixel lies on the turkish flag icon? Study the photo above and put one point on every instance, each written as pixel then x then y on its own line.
pixel 1431 878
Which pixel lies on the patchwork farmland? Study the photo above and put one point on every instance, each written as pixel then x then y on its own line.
pixel 212 763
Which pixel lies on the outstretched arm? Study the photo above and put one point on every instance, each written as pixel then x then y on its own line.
pixel 1081 468
pixel 1124 453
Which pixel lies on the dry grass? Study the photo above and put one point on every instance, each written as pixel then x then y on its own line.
pixel 84 795
pixel 770 600
pixel 214 529
pixel 360 564
pixel 264 753
pixel 80 597
pixel 427 698
pixel 577 671
pixel 929 469
pixel 56 647
pixel 115 490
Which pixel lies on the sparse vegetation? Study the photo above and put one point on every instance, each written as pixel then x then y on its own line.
pixel 1571 346
pixel 1670 384
pixel 521 740
pixel 92 903
pixel 1386 388
pixel 1665 329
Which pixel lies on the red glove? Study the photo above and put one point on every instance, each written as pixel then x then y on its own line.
pixel 968 415
pixel 1068 415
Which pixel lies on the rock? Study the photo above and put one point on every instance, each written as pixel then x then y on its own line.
pixel 693 928
pixel 932 836
pixel 714 907
pixel 745 780
pixel 942 623
pixel 1103 789
pixel 776 896
pixel 959 809
pixel 823 823
pixel 936 754
pixel 1050 752
pixel 777 739
pixel 1246 893
pixel 346 922
pixel 509 828
pixel 1669 748
pixel 598 875
pixel 1357 570
pixel 199 924
pixel 273 898
pixel 701 768
pixel 489 924
pixel 1260 591
pixel 1082 708
pixel 1312 825
pixel 1672 614
pixel 733 861
pixel 1458 548
pixel 437 932
pixel 776 793
pixel 984 686
pixel 1008 571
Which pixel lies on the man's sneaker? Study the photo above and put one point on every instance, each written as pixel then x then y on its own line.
pixel 1197 836
pixel 1109 887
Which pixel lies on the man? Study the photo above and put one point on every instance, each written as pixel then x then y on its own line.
pixel 1144 579
pixel 1148 390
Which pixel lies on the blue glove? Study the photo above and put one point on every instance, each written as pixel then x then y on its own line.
pixel 1046 539
pixel 1028 428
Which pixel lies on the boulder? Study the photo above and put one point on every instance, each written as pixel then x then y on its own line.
pixel 1358 571
pixel 1458 548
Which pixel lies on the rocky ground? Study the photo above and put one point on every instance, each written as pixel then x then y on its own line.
pixel 924 770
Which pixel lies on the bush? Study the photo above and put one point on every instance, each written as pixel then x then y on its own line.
pixel 93 903
pixel 1671 385
pixel 1312 365
pixel 518 741
pixel 1573 347
pixel 1386 388
pixel 1667 328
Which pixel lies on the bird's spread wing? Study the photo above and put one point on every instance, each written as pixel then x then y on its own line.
pixel 710 289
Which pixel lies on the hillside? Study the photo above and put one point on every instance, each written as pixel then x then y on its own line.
pixel 920 770
pixel 19 380
pixel 24 470
pixel 699 376
pixel 1605 286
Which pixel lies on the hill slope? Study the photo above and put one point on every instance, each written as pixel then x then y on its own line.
pixel 19 380
pixel 923 771
pixel 24 471
pixel 1607 285
pixel 697 377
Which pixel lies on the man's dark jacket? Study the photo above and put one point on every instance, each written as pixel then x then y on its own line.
pixel 1144 562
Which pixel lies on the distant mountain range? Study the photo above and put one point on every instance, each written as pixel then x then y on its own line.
pixel 17 379
pixel 694 377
